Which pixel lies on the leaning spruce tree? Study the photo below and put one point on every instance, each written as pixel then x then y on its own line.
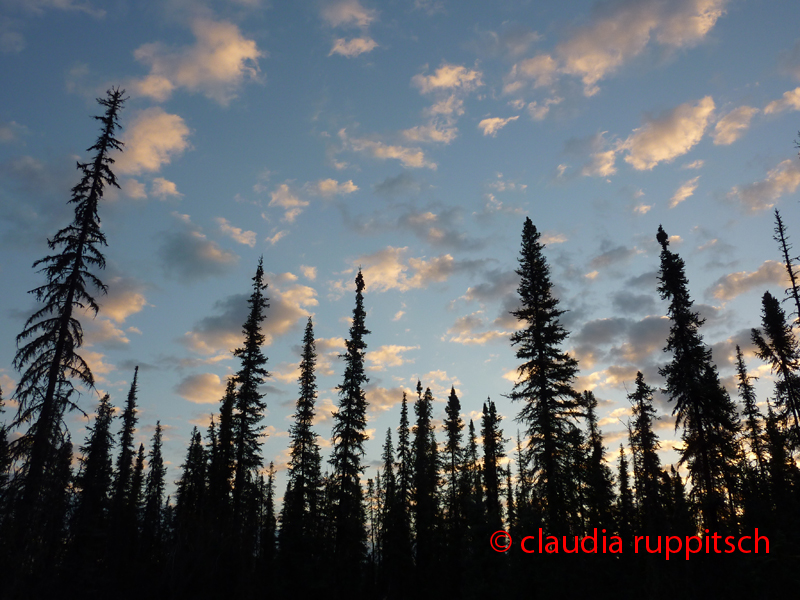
pixel 348 448
pixel 702 406
pixel 544 380
pixel 48 359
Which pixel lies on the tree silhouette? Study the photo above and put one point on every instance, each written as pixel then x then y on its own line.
pixel 702 405
pixel 348 447
pixel 544 380
pixel 53 334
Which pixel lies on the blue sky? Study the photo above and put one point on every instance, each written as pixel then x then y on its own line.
pixel 410 138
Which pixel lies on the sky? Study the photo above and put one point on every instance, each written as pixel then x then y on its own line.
pixel 410 138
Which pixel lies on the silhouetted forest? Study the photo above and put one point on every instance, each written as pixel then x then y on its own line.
pixel 421 528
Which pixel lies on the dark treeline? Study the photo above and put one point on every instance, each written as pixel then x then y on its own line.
pixel 420 528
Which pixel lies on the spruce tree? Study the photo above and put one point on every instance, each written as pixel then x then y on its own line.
pixel 348 448
pixel 426 488
pixel 221 461
pixel 48 358
pixel 152 516
pixel 781 352
pixel 299 519
pixel 545 379
pixel 122 508
pixel 453 454
pixel 702 406
pixel 492 453
pixel 249 406
pixel 788 262
pixel 191 488
pixel 599 480
pixel 646 463
pixel 94 480
pixel 625 510
pixel 753 420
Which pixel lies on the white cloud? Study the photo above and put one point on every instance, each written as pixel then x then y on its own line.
pixel 133 188
pixel 789 101
pixel 731 127
pixel 354 47
pixel 284 198
pixel 125 297
pixel 452 105
pixel 494 124
pixel 248 238
pixel 216 65
pixel 602 164
pixel 684 192
pixel 188 254
pixel 432 132
pixel 618 33
pixel 309 272
pixel 449 77
pixel 204 388
pixel 331 187
pixel 669 136
pixel 694 165
pixel 348 13
pixel 388 269
pixel 761 195
pixel 732 285
pixel 408 157
pixel 389 356
pixel 276 238
pixel 152 140
pixel 539 111
pixel 163 189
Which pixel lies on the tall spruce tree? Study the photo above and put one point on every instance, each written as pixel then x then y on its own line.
pixel 249 405
pixel 646 463
pixel 545 379
pixel 789 263
pixel 599 480
pixel 48 358
pixel 453 455
pixel 152 517
pixel 426 488
pixel 702 406
pixel 781 351
pixel 122 509
pixel 753 419
pixel 349 435
pixel 221 462
pixel 300 504
pixel 95 478
pixel 625 510
pixel 492 472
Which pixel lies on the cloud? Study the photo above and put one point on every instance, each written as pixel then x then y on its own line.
pixel 284 198
pixel 383 399
pixel 204 388
pixel 733 125
pixel 353 47
pixel 389 269
pixel 133 189
pixel 734 284
pixel 611 255
pixel 218 63
pixel 761 195
pixel 276 238
pixel 125 297
pixel 188 255
pixel 790 61
pixel 602 164
pixel 668 136
pixel 789 101
pixel 404 183
pixel 630 303
pixel 432 132
pixel 492 125
pixel 331 187
pixel 152 139
pixel 348 13
pixel 163 189
pixel 685 191
pixel 450 106
pixel 408 157
pixel 248 238
pixel 389 356
pixel 449 77
pixel 696 164
pixel 223 331
pixel 10 132
pixel 309 272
